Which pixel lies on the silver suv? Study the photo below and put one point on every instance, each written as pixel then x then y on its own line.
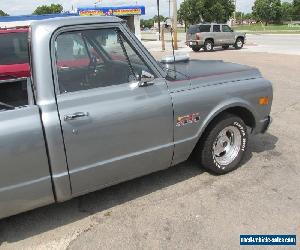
pixel 208 36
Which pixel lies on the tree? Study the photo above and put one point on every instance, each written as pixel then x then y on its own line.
pixel 296 10
pixel 161 18
pixel 248 16
pixel 267 11
pixel 218 10
pixel 2 13
pixel 287 11
pixel 195 11
pixel 147 23
pixel 46 9
pixel 190 11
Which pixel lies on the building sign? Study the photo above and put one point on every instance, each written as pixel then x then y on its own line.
pixel 112 11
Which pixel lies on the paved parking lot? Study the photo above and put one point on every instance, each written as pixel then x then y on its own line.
pixel 288 44
pixel 184 207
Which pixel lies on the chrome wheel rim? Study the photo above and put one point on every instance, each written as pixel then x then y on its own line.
pixel 239 43
pixel 208 46
pixel 227 145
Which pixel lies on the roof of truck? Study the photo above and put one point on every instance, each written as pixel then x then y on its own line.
pixel 76 20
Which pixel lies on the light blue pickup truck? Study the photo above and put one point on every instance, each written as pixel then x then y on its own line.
pixel 98 110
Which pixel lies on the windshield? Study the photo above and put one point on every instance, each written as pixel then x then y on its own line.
pixel 14 48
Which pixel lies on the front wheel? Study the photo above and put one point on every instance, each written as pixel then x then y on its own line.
pixel 208 46
pixel 223 145
pixel 239 43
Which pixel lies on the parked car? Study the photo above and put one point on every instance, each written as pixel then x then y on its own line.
pixel 14 57
pixel 98 110
pixel 210 35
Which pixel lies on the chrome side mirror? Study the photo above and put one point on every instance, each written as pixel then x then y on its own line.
pixel 176 58
pixel 146 79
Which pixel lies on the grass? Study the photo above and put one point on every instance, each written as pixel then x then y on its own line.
pixel 272 28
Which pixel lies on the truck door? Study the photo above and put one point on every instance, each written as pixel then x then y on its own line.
pixel 113 129
pixel 218 38
pixel 25 181
pixel 228 35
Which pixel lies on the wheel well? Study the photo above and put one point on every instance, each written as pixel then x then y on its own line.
pixel 243 38
pixel 241 112
pixel 210 39
pixel 244 114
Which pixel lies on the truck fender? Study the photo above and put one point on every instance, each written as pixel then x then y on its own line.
pixel 222 107
pixel 184 148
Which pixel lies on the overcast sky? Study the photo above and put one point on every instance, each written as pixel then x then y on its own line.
pixel 21 7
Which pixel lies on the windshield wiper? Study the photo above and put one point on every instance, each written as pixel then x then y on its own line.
pixel 7 105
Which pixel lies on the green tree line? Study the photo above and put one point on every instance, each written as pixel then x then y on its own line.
pixel 149 23
pixel 43 9
pixel 267 11
pixel 2 13
pixel 276 11
pixel 196 11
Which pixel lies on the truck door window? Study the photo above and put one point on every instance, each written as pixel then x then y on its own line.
pixel 71 52
pixel 226 28
pixel 217 28
pixel 13 94
pixel 204 28
pixel 95 58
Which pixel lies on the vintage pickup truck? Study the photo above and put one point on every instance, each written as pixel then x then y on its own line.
pixel 98 109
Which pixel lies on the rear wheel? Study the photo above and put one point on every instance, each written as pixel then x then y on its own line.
pixel 196 49
pixel 239 43
pixel 208 46
pixel 223 145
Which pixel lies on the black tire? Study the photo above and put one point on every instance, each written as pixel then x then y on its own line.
pixel 225 46
pixel 208 45
pixel 205 153
pixel 196 49
pixel 239 43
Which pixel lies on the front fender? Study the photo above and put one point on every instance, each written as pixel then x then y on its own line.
pixel 223 106
pixel 184 147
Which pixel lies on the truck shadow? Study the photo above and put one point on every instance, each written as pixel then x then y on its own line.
pixel 262 143
pixel 33 223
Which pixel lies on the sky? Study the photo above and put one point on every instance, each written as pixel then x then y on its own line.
pixel 19 7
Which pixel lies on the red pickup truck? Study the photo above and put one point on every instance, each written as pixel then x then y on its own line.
pixel 14 54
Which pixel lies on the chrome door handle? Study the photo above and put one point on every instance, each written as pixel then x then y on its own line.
pixel 64 67
pixel 75 116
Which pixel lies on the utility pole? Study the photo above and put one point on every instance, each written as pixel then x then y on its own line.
pixel 158 14
pixel 175 24
pixel 234 15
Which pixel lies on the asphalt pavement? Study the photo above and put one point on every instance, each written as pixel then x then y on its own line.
pixel 288 44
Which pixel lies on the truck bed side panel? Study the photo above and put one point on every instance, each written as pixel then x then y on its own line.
pixel 25 181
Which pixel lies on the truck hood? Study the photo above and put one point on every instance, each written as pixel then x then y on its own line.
pixel 207 72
